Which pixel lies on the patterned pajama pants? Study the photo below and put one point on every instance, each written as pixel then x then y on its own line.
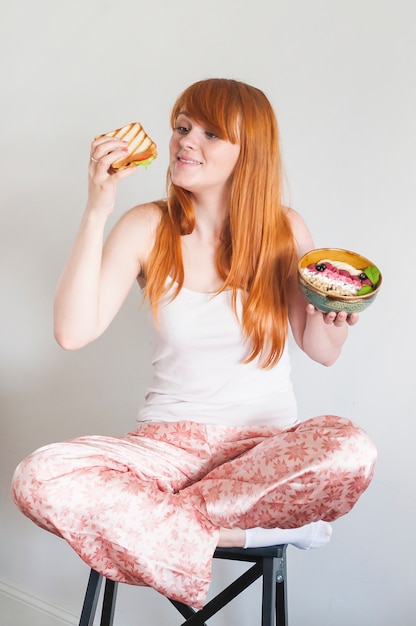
pixel 146 508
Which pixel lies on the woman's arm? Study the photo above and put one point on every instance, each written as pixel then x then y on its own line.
pixel 97 277
pixel 321 336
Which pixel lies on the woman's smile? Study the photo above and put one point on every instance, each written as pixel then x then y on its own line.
pixel 188 161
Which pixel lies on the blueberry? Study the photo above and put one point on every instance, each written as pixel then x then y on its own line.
pixel 362 276
pixel 320 267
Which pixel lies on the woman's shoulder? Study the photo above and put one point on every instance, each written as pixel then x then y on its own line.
pixel 135 231
pixel 141 221
pixel 149 213
pixel 301 233
pixel 295 218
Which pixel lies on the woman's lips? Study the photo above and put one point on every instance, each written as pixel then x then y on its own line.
pixel 186 161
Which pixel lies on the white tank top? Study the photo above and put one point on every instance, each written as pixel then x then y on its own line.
pixel 198 369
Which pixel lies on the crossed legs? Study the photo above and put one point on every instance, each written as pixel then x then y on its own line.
pixel 150 507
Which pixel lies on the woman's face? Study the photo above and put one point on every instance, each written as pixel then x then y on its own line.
pixel 199 160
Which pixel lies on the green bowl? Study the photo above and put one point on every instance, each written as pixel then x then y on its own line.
pixel 326 302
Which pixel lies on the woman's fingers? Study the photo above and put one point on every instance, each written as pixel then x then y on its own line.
pixel 338 319
pixel 341 318
pixel 352 319
pixel 105 150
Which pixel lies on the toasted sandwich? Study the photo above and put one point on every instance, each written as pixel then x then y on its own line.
pixel 142 149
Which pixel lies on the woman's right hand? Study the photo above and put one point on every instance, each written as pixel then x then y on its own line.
pixel 103 182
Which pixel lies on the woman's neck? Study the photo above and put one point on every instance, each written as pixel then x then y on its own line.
pixel 210 216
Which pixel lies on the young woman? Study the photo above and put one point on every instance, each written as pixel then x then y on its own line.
pixel 219 456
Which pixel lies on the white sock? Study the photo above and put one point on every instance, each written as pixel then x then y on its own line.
pixel 314 535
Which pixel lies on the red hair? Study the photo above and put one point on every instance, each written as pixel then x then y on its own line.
pixel 256 256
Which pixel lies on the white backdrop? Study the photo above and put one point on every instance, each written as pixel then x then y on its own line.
pixel 341 76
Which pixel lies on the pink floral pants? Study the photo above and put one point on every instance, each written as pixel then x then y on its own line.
pixel 146 508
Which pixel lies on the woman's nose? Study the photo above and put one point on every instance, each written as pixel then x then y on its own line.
pixel 189 140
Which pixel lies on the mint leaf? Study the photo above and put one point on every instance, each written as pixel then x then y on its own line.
pixel 364 290
pixel 372 274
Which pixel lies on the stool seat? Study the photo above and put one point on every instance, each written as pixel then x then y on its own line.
pixel 250 554
pixel 269 563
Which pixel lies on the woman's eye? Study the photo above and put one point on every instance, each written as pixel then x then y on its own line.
pixel 211 135
pixel 182 129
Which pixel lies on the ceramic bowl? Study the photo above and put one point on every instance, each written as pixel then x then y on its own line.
pixel 326 302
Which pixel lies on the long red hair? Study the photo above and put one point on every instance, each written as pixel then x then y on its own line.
pixel 256 256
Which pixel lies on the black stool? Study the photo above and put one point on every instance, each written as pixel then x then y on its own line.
pixel 270 563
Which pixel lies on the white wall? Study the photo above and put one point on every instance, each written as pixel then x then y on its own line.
pixel 341 75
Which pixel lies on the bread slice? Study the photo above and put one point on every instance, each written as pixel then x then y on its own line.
pixel 142 149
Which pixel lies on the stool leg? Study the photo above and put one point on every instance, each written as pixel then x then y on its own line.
pixel 91 598
pixel 281 599
pixel 109 603
pixel 269 591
